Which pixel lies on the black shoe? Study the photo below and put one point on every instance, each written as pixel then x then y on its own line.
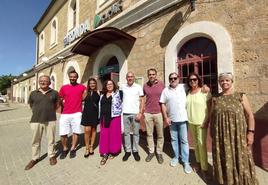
pixel 87 153
pixel 126 156
pixel 149 157
pixel 72 154
pixel 63 154
pixel 136 156
pixel 159 158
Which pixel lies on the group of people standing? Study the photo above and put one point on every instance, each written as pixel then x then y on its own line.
pixel 177 106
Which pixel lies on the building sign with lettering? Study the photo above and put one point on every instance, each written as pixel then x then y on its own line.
pixel 114 10
pixel 108 69
pixel 75 33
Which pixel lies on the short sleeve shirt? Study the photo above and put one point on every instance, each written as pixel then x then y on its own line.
pixel 72 96
pixel 152 93
pixel 175 101
pixel 131 98
pixel 43 105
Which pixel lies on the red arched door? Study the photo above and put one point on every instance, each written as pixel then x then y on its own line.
pixel 199 55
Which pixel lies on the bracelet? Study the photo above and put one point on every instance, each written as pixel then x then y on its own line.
pixel 252 131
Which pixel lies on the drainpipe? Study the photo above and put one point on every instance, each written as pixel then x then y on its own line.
pixel 192 4
pixel 36 57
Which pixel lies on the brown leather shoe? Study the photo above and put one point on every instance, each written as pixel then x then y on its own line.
pixel 30 164
pixel 52 161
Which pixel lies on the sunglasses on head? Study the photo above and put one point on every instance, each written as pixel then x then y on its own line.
pixel 225 73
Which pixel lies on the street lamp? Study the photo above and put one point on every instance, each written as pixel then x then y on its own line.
pixel 44 59
pixel 60 57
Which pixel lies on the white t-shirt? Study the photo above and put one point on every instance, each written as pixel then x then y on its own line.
pixel 131 98
pixel 175 101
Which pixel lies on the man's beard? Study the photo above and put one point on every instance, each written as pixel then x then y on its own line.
pixel 73 82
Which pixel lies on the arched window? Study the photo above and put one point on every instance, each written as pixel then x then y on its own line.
pixel 73 14
pixel 33 86
pixel 54 32
pixel 53 82
pixel 71 68
pixel 199 55
pixel 42 44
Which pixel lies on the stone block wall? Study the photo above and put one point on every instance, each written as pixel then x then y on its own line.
pixel 246 22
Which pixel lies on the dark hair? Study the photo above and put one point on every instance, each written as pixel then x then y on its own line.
pixel 151 69
pixel 200 83
pixel 104 89
pixel 73 71
pixel 88 82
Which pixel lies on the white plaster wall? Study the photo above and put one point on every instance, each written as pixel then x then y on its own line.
pixel 105 54
pixel 75 65
pixel 55 80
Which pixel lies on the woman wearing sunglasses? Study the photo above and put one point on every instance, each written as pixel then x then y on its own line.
pixel 197 110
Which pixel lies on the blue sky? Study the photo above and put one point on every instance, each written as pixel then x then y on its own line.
pixel 17 38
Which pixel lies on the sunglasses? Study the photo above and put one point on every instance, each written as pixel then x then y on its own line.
pixel 193 79
pixel 174 78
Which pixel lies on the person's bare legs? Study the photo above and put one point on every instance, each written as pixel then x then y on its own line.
pixel 87 130
pixel 74 141
pixel 64 142
pixel 92 139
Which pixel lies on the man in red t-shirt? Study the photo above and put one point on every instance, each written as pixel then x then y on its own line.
pixel 153 116
pixel 71 97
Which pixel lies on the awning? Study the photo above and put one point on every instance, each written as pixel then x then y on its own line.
pixel 96 39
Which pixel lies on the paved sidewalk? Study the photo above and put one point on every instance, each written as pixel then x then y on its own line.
pixel 15 153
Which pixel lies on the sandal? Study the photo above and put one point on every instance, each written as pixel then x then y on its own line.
pixel 111 156
pixel 196 167
pixel 104 160
pixel 87 153
pixel 91 151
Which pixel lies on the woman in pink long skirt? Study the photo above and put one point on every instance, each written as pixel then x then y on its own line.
pixel 110 121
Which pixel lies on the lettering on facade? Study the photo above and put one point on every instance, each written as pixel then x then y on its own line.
pixel 76 33
pixel 114 10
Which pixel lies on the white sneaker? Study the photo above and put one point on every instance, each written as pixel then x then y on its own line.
pixel 173 162
pixel 187 168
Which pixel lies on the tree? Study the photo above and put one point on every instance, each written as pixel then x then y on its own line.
pixel 5 82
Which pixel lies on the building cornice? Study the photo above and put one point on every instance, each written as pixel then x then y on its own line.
pixel 139 12
pixel 52 9
pixel 24 76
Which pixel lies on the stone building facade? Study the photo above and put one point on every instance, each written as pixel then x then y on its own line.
pixel 208 36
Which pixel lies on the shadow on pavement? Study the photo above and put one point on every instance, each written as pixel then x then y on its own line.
pixel 6 110
pixel 143 145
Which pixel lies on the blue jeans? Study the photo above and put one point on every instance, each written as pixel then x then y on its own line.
pixel 178 130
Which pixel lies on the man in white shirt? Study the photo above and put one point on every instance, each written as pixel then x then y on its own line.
pixel 173 105
pixel 132 112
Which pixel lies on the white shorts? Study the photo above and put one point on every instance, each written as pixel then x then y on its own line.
pixel 70 122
